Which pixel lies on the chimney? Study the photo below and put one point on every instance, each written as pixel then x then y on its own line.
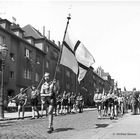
pixel 48 35
pixel 43 30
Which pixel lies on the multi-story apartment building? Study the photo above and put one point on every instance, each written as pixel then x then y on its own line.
pixel 65 77
pixel 24 63
pixel 30 55
pixel 92 81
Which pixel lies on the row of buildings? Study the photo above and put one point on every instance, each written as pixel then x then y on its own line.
pixel 31 54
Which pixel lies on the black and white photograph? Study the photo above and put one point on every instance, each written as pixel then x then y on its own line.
pixel 69 69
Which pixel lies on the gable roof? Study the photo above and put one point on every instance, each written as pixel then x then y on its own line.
pixel 31 31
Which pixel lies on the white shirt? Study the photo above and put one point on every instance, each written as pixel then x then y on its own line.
pixel 45 89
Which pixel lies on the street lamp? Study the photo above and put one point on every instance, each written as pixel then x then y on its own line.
pixel 3 55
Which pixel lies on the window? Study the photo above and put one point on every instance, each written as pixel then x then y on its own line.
pixel 47 49
pixel 18 33
pixel 11 74
pixel 12 56
pixel 68 73
pixel 27 53
pixel 67 86
pixel 27 74
pixel 54 55
pixel 37 59
pixel 37 77
pixel 47 64
pixel 39 45
pixel 24 74
pixel 3 25
pixel 2 39
pixel 58 69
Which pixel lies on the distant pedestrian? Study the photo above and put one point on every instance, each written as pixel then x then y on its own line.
pixel 34 101
pixel 134 102
pixel 98 101
pixel 139 103
pixel 105 104
pixel 121 104
pixel 22 100
pixel 64 103
pixel 80 102
pixel 111 103
pixel 58 104
pixel 73 103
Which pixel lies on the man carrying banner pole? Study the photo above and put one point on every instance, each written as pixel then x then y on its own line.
pixel 48 88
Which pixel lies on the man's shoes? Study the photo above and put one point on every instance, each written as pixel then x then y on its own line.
pixel 32 118
pixel 111 118
pixel 50 130
pixel 133 113
pixel 39 116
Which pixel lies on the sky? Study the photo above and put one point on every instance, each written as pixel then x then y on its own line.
pixel 110 30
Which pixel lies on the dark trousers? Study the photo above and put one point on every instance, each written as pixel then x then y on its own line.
pixel 134 107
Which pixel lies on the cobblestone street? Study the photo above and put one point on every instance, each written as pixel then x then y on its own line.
pixel 66 126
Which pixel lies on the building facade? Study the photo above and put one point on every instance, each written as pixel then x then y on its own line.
pixel 30 55
pixel 94 80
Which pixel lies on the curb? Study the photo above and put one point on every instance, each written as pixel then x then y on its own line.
pixel 6 119
pixel 15 118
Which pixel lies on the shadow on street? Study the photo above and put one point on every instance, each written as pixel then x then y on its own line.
pixel 101 125
pixel 63 129
pixel 4 124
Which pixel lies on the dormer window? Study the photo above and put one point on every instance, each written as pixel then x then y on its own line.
pixel 39 45
pixel 17 30
pixel 18 33
pixel 30 39
pixel 4 23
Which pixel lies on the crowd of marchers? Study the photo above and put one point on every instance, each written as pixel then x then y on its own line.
pixel 115 103
pixel 50 101
pixel 66 103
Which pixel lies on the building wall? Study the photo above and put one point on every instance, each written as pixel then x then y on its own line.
pixel 43 58
pixel 15 66
pixel 90 83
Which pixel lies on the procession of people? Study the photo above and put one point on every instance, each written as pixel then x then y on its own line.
pixel 112 103
pixel 49 99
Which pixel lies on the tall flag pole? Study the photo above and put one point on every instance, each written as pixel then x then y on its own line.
pixel 61 48
pixel 75 55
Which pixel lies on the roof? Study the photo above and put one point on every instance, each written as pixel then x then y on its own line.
pixel 4 20
pixel 15 27
pixel 31 31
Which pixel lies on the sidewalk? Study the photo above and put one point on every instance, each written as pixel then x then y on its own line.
pixel 14 115
pixel 127 128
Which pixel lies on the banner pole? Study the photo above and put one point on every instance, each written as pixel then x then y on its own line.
pixel 68 18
